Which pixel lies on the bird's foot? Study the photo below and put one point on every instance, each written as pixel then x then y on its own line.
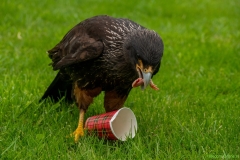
pixel 79 132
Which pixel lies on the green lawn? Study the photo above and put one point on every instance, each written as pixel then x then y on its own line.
pixel 195 115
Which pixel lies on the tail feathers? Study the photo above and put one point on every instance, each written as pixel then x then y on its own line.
pixel 61 86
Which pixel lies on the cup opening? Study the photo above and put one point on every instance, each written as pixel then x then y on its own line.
pixel 124 124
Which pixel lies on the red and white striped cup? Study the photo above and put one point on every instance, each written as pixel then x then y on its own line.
pixel 116 125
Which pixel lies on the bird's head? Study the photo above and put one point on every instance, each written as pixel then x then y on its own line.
pixel 145 50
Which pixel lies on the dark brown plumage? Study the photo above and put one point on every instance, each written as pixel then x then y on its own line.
pixel 103 54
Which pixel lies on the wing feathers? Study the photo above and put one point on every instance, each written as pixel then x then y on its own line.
pixel 80 49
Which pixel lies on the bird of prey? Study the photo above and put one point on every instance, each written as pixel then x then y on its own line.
pixel 107 54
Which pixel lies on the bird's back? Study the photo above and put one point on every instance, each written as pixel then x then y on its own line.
pixel 108 30
pixel 106 62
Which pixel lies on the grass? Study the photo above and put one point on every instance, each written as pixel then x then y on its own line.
pixel 195 115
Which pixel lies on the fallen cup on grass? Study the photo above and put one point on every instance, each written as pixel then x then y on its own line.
pixel 116 125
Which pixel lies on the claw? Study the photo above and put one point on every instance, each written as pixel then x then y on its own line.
pixel 79 132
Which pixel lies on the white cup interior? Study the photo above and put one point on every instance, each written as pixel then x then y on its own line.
pixel 124 124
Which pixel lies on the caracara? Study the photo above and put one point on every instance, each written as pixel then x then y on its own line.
pixel 107 54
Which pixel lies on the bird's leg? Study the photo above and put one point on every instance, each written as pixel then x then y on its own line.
pixel 79 131
pixel 113 101
pixel 83 99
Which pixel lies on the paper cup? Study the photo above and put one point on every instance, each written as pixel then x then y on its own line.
pixel 116 125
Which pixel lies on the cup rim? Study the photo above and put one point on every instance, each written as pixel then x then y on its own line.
pixel 133 124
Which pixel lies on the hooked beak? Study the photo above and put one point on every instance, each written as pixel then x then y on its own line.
pixel 143 80
pixel 146 76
